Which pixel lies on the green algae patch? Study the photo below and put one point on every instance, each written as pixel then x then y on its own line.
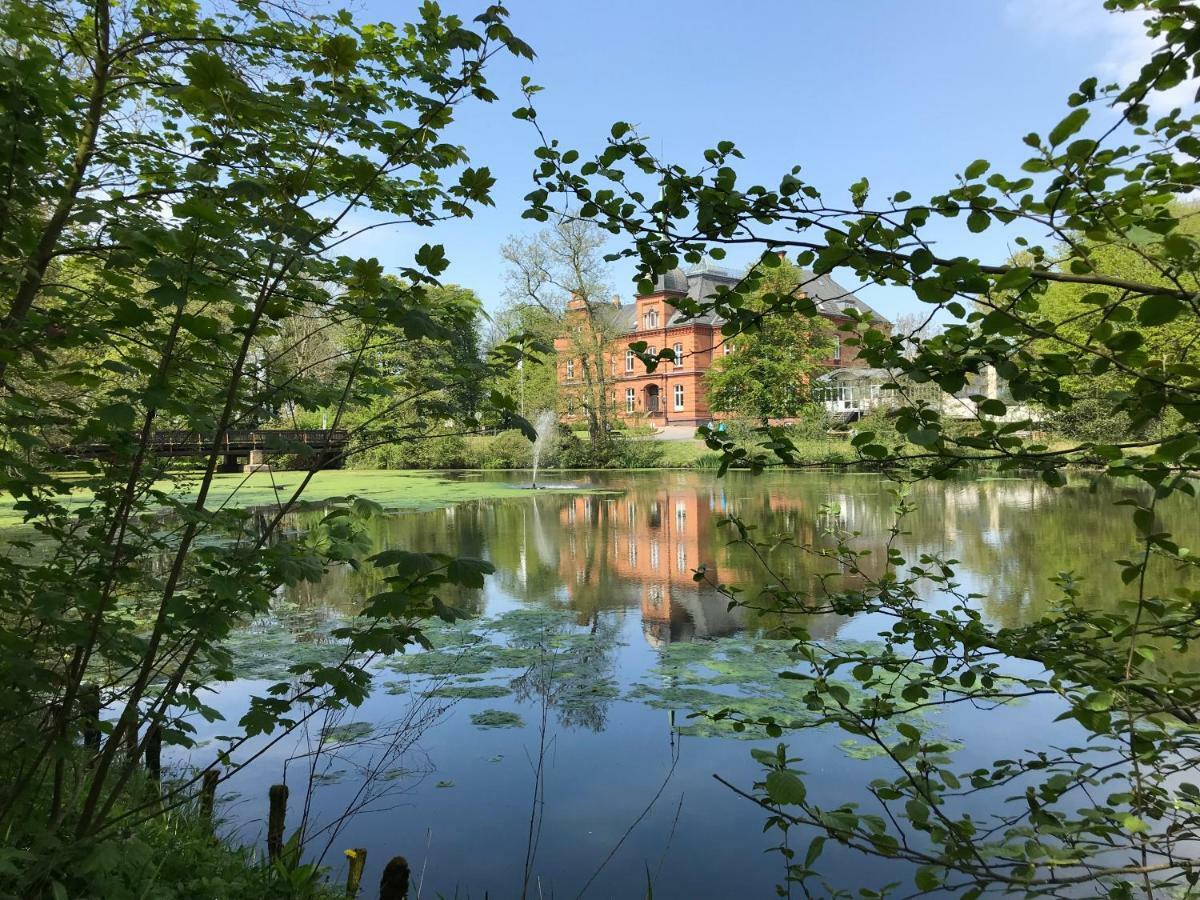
pixel 269 648
pixel 345 734
pixel 392 489
pixel 742 674
pixel 547 655
pixel 471 691
pixel 496 718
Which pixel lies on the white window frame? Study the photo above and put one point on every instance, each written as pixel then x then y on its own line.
pixel 678 397
pixel 678 348
pixel 837 348
pixel 630 399
pixel 629 360
pixel 728 347
pixel 651 318
pixel 570 368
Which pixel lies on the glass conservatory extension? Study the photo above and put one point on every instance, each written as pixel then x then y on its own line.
pixel 850 393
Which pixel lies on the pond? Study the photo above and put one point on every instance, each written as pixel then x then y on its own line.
pixel 544 747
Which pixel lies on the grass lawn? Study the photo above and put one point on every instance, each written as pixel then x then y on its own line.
pixel 681 454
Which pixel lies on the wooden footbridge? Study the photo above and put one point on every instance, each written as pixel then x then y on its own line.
pixel 256 446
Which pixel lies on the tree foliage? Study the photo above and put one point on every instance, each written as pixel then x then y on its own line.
pixel 561 271
pixel 181 186
pixel 769 373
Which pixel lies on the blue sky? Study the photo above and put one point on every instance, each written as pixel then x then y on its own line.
pixel 905 93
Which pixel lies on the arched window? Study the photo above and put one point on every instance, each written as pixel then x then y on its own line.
pixel 678 348
pixel 628 360
pixel 651 318
pixel 678 397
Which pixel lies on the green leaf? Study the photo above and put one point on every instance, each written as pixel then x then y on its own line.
pixel 924 437
pixel 977 168
pixel 1054 477
pixel 1071 123
pixel 469 572
pixel 1159 310
pixel 1133 824
pixel 927 879
pixel 785 788
pixel 432 258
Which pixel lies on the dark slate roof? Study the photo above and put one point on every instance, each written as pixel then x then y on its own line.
pixel 703 282
pixel 674 281
pixel 621 318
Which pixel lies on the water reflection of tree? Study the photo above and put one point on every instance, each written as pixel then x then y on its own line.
pixel 572 672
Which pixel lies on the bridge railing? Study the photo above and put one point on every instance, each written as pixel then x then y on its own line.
pixel 237 441
pixel 254 439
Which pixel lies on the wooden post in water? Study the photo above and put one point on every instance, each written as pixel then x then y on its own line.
pixel 89 711
pixel 394 883
pixel 358 862
pixel 276 817
pixel 154 752
pixel 208 795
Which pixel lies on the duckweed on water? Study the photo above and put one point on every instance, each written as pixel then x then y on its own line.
pixel 496 718
pixel 344 734
pixel 471 691
pixel 741 673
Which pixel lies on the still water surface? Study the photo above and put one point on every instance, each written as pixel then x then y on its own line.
pixel 544 748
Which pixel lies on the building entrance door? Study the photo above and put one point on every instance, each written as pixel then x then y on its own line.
pixel 653 405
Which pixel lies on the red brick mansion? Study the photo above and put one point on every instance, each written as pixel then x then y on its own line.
pixel 674 394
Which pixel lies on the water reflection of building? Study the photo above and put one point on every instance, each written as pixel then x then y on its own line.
pixel 654 542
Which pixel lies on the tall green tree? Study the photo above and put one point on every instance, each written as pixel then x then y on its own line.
pixel 769 373
pixel 180 184
pixel 534 383
pixel 1075 311
pixel 562 271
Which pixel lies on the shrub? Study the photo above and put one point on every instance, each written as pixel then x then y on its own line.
pixel 429 453
pixel 1091 419
pixel 507 450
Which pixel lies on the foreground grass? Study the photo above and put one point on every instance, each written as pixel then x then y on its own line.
pixel 172 856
